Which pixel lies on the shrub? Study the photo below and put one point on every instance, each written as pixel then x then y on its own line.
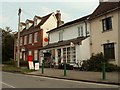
pixel 111 67
pixel 10 62
pixel 23 63
pixel 95 64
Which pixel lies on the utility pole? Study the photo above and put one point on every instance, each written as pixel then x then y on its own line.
pixel 18 61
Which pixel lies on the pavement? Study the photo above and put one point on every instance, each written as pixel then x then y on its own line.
pixel 86 76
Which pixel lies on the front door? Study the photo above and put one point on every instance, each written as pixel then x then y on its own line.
pixel 59 56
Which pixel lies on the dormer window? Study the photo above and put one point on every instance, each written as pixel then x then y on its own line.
pixel 27 24
pixel 20 27
pixel 35 21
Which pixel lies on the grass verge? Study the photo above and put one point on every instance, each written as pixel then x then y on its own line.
pixel 10 68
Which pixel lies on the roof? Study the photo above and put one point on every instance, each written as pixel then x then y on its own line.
pixel 38 17
pixel 63 43
pixel 44 18
pixel 23 23
pixel 105 7
pixel 70 23
pixel 31 21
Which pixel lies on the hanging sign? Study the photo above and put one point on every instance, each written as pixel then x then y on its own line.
pixel 46 39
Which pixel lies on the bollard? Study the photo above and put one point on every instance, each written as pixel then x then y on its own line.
pixel 103 71
pixel 64 69
pixel 42 68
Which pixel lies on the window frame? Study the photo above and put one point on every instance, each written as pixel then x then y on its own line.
pixel 107 24
pixel 21 41
pixel 109 50
pixel 30 38
pixel 25 40
pixel 35 37
pixel 60 35
pixel 35 55
pixel 80 31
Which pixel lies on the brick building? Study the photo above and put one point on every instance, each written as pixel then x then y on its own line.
pixel 33 34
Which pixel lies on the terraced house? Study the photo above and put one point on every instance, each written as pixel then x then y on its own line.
pixel 105 31
pixel 33 34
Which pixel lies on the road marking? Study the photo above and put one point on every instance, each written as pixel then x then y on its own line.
pixel 8 85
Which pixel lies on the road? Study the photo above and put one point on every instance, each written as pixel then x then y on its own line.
pixel 11 80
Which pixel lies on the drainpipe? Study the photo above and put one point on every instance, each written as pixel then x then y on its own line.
pixel 85 27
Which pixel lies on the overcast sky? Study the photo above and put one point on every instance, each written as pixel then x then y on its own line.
pixel 70 10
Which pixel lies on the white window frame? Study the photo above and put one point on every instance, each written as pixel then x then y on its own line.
pixel 21 41
pixel 20 55
pixel 25 40
pixel 60 35
pixel 30 38
pixel 29 52
pixel 35 21
pixel 80 31
pixel 27 24
pixel 35 54
pixel 35 37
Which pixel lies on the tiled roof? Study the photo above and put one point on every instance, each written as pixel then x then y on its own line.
pixel 38 17
pixel 44 18
pixel 105 7
pixel 31 21
pixel 64 43
pixel 23 23
pixel 70 23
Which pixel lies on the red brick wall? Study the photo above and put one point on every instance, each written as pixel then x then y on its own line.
pixel 35 46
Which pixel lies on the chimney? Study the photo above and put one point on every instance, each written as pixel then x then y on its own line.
pixel 58 16
pixel 102 1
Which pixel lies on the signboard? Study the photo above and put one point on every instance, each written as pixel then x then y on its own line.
pixel 37 66
pixel 30 58
pixel 31 66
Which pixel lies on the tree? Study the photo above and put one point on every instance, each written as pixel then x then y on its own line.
pixel 7 44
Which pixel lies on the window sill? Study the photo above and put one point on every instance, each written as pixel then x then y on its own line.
pixel 111 60
pixel 107 30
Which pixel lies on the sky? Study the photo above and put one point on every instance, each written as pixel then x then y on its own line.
pixel 70 10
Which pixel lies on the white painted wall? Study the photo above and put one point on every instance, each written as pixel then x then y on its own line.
pixel 69 32
pixel 48 25
pixel 98 37
pixel 84 49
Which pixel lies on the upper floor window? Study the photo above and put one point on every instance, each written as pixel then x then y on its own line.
pixel 27 24
pixel 35 37
pixel 107 24
pixel 35 55
pixel 30 38
pixel 35 21
pixel 60 35
pixel 20 27
pixel 80 31
pixel 20 41
pixel 25 40
pixel 109 51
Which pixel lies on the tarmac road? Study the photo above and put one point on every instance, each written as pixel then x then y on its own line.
pixel 11 80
